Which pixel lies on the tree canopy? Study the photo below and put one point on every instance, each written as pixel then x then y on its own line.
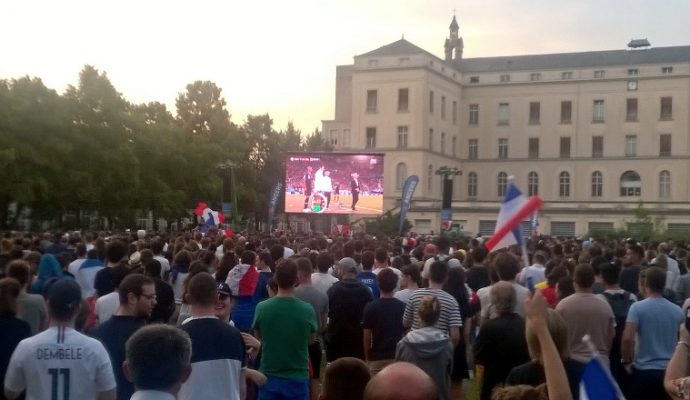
pixel 90 152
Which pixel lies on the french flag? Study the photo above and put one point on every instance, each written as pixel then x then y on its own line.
pixel 597 383
pixel 515 209
pixel 210 217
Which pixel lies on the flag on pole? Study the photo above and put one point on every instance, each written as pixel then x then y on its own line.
pixel 210 217
pixel 515 208
pixel 596 381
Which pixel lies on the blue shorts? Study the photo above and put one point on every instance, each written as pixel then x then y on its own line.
pixel 284 389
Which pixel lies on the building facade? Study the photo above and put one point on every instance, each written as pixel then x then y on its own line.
pixel 595 134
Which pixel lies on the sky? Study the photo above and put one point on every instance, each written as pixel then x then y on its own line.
pixel 279 57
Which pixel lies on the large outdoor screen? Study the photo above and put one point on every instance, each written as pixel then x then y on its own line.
pixel 334 183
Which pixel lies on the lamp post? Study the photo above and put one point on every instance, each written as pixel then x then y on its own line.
pixel 448 173
pixel 226 170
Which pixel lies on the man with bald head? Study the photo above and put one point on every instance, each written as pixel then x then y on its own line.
pixel 501 343
pixel 401 381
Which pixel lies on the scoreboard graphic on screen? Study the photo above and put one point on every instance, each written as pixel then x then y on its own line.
pixel 334 183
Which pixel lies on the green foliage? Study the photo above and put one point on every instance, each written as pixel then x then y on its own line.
pixel 386 225
pixel 90 152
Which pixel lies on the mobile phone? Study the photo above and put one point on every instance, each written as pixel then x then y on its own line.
pixel 530 286
pixel 687 319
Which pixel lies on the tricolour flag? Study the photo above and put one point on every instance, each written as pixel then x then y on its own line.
pixel 515 209
pixel 597 382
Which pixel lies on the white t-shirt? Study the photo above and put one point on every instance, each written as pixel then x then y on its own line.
pixel 60 363
pixel 74 266
pixel 106 306
pixel 322 282
pixel 487 311
pixel 165 264
pixel 85 277
pixel 403 295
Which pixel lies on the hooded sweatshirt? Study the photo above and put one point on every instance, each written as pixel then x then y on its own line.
pixel 431 350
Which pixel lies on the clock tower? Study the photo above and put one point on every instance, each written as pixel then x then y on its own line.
pixel 453 45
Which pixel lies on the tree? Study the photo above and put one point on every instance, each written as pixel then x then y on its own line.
pixel 387 224
pixel 316 142
pixel 201 109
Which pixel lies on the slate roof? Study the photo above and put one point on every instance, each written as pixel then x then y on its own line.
pixel 399 47
pixel 589 59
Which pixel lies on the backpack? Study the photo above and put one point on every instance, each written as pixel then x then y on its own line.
pixel 620 304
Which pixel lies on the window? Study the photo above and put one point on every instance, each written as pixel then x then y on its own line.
pixel 566 75
pixel 372 100
pixel 474 114
pixel 403 100
pixel 474 79
pixel 597 146
pixel 664 184
pixel 630 145
pixel 533 151
pixel 443 107
pixel 631 184
pixel 333 137
pixel 665 144
pixel 472 184
pixel 564 184
pixel 403 60
pixel 505 78
pixel 454 146
pixel 565 147
pixel 400 175
pixel 502 181
pixel 473 149
pixel 431 139
pixel 534 111
pixel 429 177
pixel 566 111
pixel 667 70
pixel 371 138
pixel 600 73
pixel 532 184
pixel 346 137
pixel 598 111
pixel 631 109
pixel 455 112
pixel 402 137
pixel 431 102
pixel 633 72
pixel 666 108
pixel 536 76
pixel 597 184
pixel 503 114
pixel 443 142
pixel 502 148
pixel 373 63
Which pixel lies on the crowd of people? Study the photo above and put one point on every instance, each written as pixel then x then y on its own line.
pixel 145 315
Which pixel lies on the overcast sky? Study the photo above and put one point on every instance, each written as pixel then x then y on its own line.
pixel 279 56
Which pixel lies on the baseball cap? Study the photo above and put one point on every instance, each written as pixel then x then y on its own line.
pixel 223 288
pixel 348 264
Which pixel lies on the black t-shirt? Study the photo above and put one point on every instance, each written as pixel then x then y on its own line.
pixel 165 302
pixel 346 301
pixel 114 333
pixel 629 277
pixel 12 331
pixel 384 318
pixel 532 373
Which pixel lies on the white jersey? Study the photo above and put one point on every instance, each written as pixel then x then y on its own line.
pixel 60 364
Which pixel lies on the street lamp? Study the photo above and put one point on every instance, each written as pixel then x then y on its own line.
pixel 448 173
pixel 226 170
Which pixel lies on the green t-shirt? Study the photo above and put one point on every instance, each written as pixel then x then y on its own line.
pixel 285 325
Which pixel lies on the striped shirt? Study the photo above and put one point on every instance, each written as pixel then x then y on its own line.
pixel 450 311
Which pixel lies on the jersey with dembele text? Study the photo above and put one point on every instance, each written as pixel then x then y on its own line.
pixel 60 364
